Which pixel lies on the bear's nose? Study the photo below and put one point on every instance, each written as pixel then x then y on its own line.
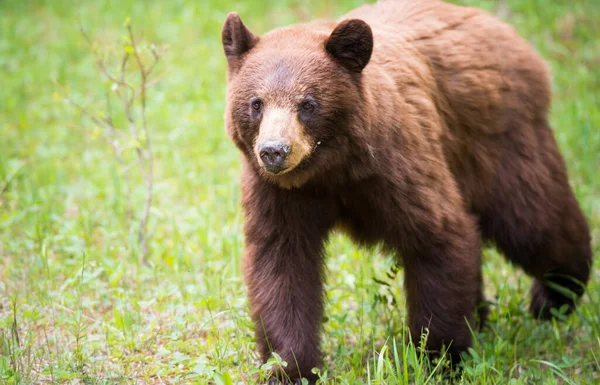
pixel 273 154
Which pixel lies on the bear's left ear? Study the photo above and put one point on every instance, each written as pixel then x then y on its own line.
pixel 351 43
pixel 237 40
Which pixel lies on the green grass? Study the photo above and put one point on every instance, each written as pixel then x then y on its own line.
pixel 76 307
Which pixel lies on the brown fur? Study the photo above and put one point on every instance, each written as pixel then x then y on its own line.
pixel 439 142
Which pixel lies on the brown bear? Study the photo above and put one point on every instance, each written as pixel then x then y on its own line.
pixel 418 125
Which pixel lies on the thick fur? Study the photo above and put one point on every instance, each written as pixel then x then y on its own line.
pixel 440 142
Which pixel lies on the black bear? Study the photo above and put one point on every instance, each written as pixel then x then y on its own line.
pixel 418 125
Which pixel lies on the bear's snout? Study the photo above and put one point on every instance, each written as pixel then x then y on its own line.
pixel 273 154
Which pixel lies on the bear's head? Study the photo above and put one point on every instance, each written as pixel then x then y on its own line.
pixel 294 96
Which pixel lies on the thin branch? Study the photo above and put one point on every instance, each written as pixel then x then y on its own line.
pixel 100 61
pixel 132 91
pixel 123 64
pixel 151 83
pixel 148 177
pixel 98 121
pixel 156 56
pixel 118 154
pixel 82 109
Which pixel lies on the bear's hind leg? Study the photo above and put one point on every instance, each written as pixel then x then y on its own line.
pixel 535 220
pixel 569 259
pixel 556 253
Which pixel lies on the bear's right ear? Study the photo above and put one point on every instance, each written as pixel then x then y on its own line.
pixel 237 40
pixel 351 44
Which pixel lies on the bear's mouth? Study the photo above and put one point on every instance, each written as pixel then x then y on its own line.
pixel 275 170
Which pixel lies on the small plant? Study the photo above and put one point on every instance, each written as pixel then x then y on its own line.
pixel 16 358
pixel 128 83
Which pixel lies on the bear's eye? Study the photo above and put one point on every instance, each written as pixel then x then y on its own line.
pixel 256 104
pixel 307 106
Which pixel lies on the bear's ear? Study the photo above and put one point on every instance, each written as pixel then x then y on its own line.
pixel 351 43
pixel 237 40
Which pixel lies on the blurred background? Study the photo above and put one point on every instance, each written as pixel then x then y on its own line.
pixel 83 301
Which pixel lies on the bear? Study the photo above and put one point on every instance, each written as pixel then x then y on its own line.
pixel 419 126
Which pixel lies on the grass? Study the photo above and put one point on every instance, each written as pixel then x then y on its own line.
pixel 76 307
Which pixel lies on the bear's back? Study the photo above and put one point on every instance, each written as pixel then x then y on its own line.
pixel 412 20
pixel 484 71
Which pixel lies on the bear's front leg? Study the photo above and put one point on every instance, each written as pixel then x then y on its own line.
pixel 443 282
pixel 283 267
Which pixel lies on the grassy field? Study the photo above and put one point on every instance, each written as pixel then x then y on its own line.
pixel 77 306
